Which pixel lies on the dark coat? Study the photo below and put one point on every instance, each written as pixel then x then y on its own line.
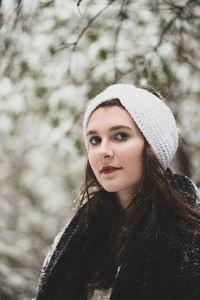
pixel 164 268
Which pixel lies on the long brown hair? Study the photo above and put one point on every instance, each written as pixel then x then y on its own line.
pixel 110 228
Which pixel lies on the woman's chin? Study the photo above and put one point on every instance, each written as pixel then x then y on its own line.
pixel 110 189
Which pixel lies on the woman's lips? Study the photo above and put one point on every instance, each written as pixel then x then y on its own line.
pixel 107 170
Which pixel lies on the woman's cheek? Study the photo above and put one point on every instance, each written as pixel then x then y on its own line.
pixel 91 159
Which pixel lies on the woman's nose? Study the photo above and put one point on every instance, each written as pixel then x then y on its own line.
pixel 105 150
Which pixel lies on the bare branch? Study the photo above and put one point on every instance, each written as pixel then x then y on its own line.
pixel 180 14
pixel 79 2
pixel 123 16
pixel 165 30
pixel 18 12
pixel 47 4
pixel 188 61
pixel 75 44
pixel 1 15
pixel 88 25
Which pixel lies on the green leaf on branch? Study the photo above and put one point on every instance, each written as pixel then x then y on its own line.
pixel 55 122
pixel 141 22
pixel 167 70
pixel 92 37
pixel 40 91
pixel 79 146
pixel 24 67
pixel 52 50
pixel 103 54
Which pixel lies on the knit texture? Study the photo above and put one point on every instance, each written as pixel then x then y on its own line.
pixel 99 294
pixel 153 117
pixel 166 268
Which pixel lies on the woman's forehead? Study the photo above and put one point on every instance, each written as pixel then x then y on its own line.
pixel 110 116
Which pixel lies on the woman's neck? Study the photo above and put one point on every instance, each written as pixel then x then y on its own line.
pixel 124 198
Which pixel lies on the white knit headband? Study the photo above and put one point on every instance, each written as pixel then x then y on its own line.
pixel 152 116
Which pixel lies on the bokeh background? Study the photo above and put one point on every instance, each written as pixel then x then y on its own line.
pixel 54 56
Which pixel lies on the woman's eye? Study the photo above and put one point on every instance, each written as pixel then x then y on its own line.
pixel 121 136
pixel 94 140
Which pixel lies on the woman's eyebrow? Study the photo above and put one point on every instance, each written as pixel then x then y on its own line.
pixel 111 129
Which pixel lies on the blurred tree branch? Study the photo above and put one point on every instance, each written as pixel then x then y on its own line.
pixel 79 3
pixel 122 15
pixel 18 10
pixel 188 61
pixel 47 4
pixel 183 12
pixel 90 21
pixel 82 32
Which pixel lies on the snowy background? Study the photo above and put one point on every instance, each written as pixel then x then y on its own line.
pixel 54 56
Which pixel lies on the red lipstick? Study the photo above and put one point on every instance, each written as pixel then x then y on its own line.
pixel 109 169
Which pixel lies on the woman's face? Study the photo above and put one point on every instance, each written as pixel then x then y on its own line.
pixel 115 151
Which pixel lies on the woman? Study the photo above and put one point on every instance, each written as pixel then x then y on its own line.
pixel 136 233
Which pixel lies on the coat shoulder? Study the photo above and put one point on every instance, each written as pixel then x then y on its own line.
pixel 185 185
